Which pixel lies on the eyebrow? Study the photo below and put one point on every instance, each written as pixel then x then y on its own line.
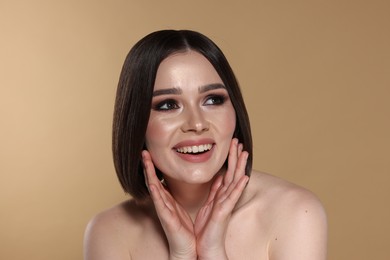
pixel 205 88
pixel 167 91
pixel 178 91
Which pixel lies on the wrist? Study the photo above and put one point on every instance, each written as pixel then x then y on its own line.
pixel 213 255
pixel 171 257
pixel 219 257
pixel 187 256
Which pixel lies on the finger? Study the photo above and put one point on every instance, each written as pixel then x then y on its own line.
pixel 163 207
pixel 232 161
pixel 165 210
pixel 224 206
pixel 163 199
pixel 151 179
pixel 229 199
pixel 240 149
pixel 240 166
pixel 157 198
pixel 214 189
pixel 145 174
pixel 150 173
pixel 236 192
pixel 225 191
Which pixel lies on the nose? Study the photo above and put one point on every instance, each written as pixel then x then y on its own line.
pixel 195 121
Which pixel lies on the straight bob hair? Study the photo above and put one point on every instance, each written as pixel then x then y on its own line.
pixel 134 97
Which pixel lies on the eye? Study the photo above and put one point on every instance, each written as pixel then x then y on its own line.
pixel 215 100
pixel 166 105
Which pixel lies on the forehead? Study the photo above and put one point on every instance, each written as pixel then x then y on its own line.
pixel 186 69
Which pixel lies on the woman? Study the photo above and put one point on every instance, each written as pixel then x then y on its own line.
pixel 183 150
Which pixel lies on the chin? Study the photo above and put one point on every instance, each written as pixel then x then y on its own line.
pixel 199 176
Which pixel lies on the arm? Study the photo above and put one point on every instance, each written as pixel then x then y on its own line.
pixel 302 233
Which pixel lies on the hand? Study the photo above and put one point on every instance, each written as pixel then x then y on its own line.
pixel 212 220
pixel 177 224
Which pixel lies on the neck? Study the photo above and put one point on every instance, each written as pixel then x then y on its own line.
pixel 190 196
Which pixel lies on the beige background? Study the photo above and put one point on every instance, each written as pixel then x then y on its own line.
pixel 315 75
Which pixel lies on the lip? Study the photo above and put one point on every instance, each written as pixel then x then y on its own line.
pixel 194 143
pixel 195 158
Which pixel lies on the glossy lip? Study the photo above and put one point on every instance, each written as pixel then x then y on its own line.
pixel 195 158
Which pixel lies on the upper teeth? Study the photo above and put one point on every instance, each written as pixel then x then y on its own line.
pixel 194 148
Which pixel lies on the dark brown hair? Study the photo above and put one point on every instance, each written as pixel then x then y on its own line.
pixel 134 96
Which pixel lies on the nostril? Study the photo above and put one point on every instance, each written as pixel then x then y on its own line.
pixel 194 121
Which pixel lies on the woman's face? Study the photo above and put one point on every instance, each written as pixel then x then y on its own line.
pixel 192 120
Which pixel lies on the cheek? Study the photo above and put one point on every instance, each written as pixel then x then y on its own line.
pixel 152 132
pixel 227 122
pixel 232 121
pixel 158 133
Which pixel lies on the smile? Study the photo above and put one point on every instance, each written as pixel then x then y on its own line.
pixel 195 148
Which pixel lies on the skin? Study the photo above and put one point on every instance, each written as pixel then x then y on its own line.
pixel 205 210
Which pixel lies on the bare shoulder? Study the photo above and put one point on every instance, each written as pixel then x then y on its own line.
pixel 296 217
pixel 284 195
pixel 109 233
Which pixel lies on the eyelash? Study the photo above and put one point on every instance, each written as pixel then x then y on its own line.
pixel 170 104
pixel 217 99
